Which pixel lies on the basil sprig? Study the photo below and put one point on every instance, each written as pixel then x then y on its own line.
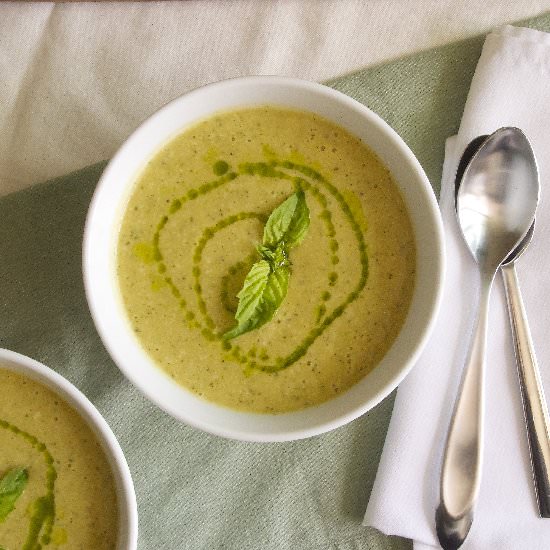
pixel 12 484
pixel 266 284
pixel 288 224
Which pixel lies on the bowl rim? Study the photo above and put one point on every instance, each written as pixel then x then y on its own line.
pixel 432 212
pixel 126 496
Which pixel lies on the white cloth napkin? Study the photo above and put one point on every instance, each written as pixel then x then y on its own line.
pixel 511 87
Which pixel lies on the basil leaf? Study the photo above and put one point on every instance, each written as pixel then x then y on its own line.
pixel 288 223
pixel 266 284
pixel 266 253
pixel 263 291
pixel 12 485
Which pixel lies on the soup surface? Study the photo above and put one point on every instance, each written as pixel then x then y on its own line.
pixel 69 500
pixel 189 237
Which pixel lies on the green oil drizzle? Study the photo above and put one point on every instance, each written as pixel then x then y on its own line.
pixel 42 510
pixel 220 168
pixel 318 187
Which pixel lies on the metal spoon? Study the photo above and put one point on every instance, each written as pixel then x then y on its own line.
pixel 495 206
pixel 535 410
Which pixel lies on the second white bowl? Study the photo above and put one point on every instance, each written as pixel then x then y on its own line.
pixel 126 497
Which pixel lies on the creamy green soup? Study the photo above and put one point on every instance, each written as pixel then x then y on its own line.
pixel 69 500
pixel 189 237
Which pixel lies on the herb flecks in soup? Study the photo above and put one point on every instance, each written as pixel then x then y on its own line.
pixel 64 496
pixel 189 238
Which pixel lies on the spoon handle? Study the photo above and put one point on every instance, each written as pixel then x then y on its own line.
pixel 532 393
pixel 461 471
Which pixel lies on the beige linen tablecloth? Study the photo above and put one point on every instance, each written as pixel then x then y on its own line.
pixel 77 78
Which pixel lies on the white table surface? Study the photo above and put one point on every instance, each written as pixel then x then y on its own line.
pixel 76 79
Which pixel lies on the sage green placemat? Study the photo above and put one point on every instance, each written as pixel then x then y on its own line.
pixel 197 491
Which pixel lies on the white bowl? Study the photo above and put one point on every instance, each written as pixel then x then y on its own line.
pixel 107 209
pixel 126 497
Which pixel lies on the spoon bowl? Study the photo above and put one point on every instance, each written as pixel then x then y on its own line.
pixel 498 196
